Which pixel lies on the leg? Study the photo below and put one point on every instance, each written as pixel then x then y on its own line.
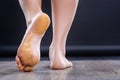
pixel 28 53
pixel 63 12
pixel 30 8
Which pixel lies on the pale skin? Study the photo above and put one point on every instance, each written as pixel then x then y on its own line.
pixel 28 54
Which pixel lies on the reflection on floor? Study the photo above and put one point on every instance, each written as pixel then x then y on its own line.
pixel 83 69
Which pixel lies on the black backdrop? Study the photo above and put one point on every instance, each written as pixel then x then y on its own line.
pixel 96 27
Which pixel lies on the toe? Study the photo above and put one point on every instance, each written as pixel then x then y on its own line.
pixel 70 64
pixel 19 65
pixel 28 68
pixel 18 60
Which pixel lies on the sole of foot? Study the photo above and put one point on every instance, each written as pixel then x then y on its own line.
pixel 28 54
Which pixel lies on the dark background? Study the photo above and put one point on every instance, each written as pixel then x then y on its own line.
pixel 95 30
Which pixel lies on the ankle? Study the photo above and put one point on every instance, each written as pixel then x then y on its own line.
pixel 54 47
pixel 30 17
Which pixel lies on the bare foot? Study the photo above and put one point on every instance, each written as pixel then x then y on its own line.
pixel 28 54
pixel 58 60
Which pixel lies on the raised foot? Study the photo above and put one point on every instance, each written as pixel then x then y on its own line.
pixel 28 54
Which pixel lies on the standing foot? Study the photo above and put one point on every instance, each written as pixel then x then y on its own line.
pixel 58 60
